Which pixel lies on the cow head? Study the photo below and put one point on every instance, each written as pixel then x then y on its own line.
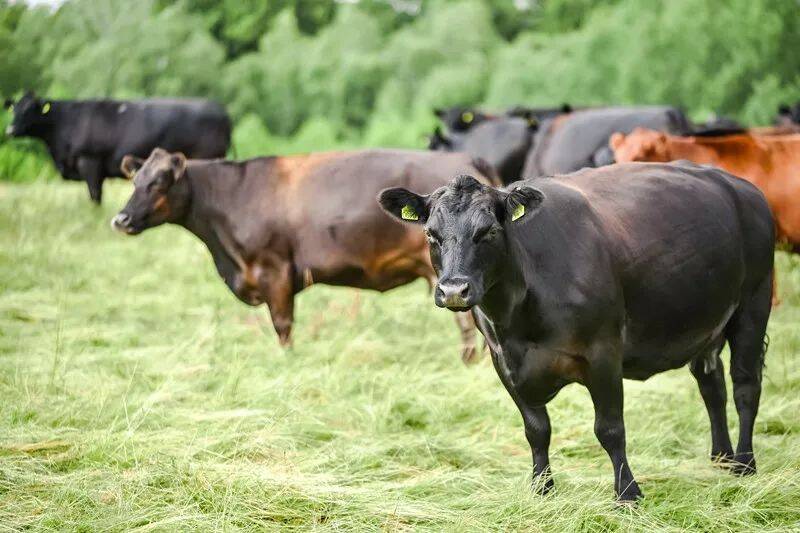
pixel 30 114
pixel 639 145
pixel 438 141
pixel 788 115
pixel 160 192
pixel 459 119
pixel 466 224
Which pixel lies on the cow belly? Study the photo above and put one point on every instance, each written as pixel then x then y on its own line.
pixel 641 360
pixel 643 365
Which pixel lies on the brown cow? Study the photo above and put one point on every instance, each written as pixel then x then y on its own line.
pixel 275 225
pixel 766 158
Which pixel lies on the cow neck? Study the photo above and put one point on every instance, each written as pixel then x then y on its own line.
pixel 211 220
pixel 54 128
pixel 510 291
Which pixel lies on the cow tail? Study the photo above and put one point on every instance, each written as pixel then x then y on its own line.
pixel 482 166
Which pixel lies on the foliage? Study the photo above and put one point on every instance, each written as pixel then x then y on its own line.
pixel 371 70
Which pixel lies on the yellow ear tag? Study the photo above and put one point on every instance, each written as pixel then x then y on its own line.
pixel 518 212
pixel 467 117
pixel 46 108
pixel 408 213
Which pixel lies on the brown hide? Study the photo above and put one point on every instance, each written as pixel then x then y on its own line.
pixel 275 225
pixel 767 158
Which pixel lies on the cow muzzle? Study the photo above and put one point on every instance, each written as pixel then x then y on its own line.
pixel 122 223
pixel 454 295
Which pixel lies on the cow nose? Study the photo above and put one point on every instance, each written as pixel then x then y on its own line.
pixel 121 221
pixel 452 293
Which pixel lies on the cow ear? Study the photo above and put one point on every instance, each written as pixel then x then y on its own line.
pixel 130 165
pixel 178 162
pixel 616 140
pixel 439 137
pixel 784 109
pixel 522 203
pixel 404 204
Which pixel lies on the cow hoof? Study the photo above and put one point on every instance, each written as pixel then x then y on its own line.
pixel 723 459
pixel 470 355
pixel 542 485
pixel 743 465
pixel 631 495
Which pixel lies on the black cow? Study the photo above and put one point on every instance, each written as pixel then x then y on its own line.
pixel 788 115
pixel 619 272
pixel 503 143
pixel 460 119
pixel 88 139
pixel 580 139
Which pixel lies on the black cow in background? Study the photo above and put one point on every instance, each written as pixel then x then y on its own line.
pixel 571 142
pixel 527 142
pixel 503 141
pixel 788 115
pixel 460 119
pixel 87 139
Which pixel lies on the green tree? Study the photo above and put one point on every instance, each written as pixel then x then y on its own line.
pixel 107 51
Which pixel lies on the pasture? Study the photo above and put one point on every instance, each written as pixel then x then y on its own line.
pixel 138 394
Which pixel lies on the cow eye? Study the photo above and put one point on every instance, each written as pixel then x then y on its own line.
pixel 432 236
pixel 485 233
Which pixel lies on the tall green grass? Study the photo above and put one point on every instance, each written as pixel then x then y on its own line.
pixel 137 394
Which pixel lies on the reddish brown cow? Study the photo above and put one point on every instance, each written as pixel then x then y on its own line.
pixel 275 225
pixel 768 159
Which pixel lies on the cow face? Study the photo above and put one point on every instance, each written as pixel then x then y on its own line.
pixel 460 119
pixel 439 142
pixel 788 115
pixel 640 145
pixel 160 191
pixel 466 224
pixel 30 114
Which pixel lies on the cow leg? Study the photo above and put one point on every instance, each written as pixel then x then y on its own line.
pixel 605 387
pixel 469 346
pixel 537 431
pixel 712 389
pixel 534 417
pixel 91 169
pixel 281 310
pixel 278 294
pixel 745 332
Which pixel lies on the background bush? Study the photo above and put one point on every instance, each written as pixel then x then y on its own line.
pixel 302 75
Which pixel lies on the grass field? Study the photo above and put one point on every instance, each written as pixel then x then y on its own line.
pixel 138 394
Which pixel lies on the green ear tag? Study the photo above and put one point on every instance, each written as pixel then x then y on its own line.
pixel 518 212
pixel 467 117
pixel 45 108
pixel 408 213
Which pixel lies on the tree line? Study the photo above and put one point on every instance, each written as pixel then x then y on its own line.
pixel 315 74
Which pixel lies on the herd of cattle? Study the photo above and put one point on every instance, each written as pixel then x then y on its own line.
pixel 593 268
